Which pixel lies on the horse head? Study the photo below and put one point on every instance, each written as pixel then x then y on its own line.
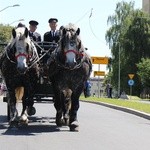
pixel 21 48
pixel 71 46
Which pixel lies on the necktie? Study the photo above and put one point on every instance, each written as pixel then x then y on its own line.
pixel 53 33
pixel 31 33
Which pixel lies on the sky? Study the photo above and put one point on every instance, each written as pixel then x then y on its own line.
pixel 89 15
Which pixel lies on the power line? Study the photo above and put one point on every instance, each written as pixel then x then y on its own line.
pixel 91 13
pixel 90 16
pixel 82 16
pixel 92 28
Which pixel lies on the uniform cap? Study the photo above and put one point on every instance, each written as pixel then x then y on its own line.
pixel 33 22
pixel 52 20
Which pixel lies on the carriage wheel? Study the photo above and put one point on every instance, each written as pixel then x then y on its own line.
pixel 8 107
pixel 31 111
pixel 8 111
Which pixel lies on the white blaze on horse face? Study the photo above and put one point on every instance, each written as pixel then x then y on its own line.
pixel 21 63
pixel 71 53
pixel 21 55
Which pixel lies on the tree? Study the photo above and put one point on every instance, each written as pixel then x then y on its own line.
pixel 131 33
pixel 144 71
pixel 5 35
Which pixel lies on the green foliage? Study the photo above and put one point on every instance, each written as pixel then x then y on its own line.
pixel 144 71
pixel 133 104
pixel 130 34
pixel 5 35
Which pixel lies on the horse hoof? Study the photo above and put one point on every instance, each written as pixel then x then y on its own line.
pixel 24 120
pixel 24 123
pixel 13 124
pixel 74 126
pixel 59 122
pixel 31 111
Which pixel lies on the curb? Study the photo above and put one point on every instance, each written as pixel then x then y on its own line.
pixel 125 109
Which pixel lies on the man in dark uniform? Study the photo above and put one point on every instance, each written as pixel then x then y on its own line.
pixel 53 34
pixel 32 28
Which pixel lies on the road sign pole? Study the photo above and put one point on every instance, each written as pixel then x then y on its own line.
pixel 130 83
pixel 130 91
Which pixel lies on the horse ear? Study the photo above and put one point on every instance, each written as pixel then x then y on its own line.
pixel 64 31
pixel 78 31
pixel 26 32
pixel 13 33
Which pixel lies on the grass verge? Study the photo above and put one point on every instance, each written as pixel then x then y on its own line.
pixel 133 104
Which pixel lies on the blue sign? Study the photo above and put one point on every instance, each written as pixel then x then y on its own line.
pixel 130 82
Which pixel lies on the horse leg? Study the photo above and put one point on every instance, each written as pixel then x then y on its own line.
pixel 24 117
pixel 67 105
pixel 13 110
pixel 31 110
pixel 73 122
pixel 30 101
pixel 58 107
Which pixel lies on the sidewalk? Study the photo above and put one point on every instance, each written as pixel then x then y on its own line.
pixel 125 109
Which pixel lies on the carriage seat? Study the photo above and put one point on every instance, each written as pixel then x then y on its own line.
pixel 47 46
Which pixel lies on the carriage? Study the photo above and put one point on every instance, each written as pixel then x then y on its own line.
pixel 24 69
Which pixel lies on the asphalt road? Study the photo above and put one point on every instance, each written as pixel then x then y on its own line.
pixel 101 128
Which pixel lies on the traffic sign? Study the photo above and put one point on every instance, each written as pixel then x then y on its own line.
pixel 99 73
pixel 99 60
pixel 131 76
pixel 130 82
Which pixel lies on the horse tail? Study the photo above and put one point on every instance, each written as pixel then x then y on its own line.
pixel 19 92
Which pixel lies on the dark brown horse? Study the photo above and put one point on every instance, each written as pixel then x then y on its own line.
pixel 20 72
pixel 69 69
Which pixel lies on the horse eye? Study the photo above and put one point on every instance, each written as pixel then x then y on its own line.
pixel 72 43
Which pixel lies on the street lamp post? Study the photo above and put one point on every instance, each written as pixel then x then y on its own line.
pixel 9 6
pixel 119 72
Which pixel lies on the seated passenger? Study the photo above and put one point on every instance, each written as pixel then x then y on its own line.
pixel 51 36
pixel 32 31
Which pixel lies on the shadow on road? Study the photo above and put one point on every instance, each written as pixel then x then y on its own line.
pixel 31 130
pixel 35 126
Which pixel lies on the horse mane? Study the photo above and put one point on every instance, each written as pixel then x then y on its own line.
pixel 71 26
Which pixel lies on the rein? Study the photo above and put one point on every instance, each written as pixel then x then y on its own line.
pixel 6 50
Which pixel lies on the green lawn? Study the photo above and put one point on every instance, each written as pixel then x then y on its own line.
pixel 133 104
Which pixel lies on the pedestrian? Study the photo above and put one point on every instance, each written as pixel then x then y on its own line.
pixel 109 90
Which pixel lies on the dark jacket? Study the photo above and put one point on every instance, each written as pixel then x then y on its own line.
pixel 35 36
pixel 49 38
